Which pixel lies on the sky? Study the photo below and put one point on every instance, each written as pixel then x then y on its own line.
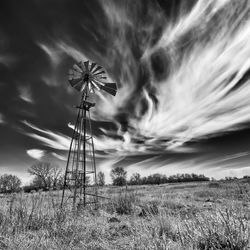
pixel 182 70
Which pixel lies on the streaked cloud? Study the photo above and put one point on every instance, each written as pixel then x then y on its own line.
pixel 60 157
pixel 71 51
pixel 2 120
pixel 205 91
pixel 36 153
pixel 7 60
pixel 231 157
pixel 25 94
pixel 183 78
pixel 49 138
pixel 53 53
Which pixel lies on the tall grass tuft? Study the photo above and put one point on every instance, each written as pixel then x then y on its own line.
pixel 223 229
pixel 124 203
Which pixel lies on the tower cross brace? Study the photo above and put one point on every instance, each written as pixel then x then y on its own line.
pixel 80 175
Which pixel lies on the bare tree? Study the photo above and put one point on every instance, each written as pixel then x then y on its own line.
pixel 55 174
pixel 46 174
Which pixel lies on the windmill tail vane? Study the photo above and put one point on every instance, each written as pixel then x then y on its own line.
pixel 80 182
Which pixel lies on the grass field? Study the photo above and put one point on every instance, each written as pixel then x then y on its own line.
pixel 214 215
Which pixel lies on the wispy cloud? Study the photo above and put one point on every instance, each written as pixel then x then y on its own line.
pixel 7 60
pixel 53 53
pixel 2 120
pixel 25 94
pixel 49 138
pixel 71 51
pixel 199 98
pixel 36 153
pixel 205 92
pixel 60 157
pixel 231 157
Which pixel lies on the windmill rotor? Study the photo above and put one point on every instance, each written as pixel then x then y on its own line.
pixel 89 77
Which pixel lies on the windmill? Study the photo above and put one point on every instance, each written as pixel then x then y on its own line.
pixel 80 175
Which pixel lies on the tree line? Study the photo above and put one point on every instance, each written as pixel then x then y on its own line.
pixel 119 178
pixel 48 176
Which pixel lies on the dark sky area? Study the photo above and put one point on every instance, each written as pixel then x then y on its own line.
pixel 182 69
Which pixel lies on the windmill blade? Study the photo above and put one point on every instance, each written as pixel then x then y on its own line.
pixel 86 64
pixel 111 85
pixel 95 85
pixel 77 68
pixel 74 74
pixel 100 79
pixel 105 87
pixel 82 88
pixel 97 77
pixel 91 89
pixel 98 68
pixel 92 66
pixel 79 86
pixel 75 79
pixel 82 66
pixel 108 90
pixel 74 82
pixel 98 82
pixel 98 73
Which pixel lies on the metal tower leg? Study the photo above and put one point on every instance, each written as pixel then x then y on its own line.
pixel 81 161
pixel 68 160
pixel 94 165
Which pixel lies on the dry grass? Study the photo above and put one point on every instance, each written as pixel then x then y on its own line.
pixel 181 216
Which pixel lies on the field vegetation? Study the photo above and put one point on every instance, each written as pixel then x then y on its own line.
pixel 197 215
